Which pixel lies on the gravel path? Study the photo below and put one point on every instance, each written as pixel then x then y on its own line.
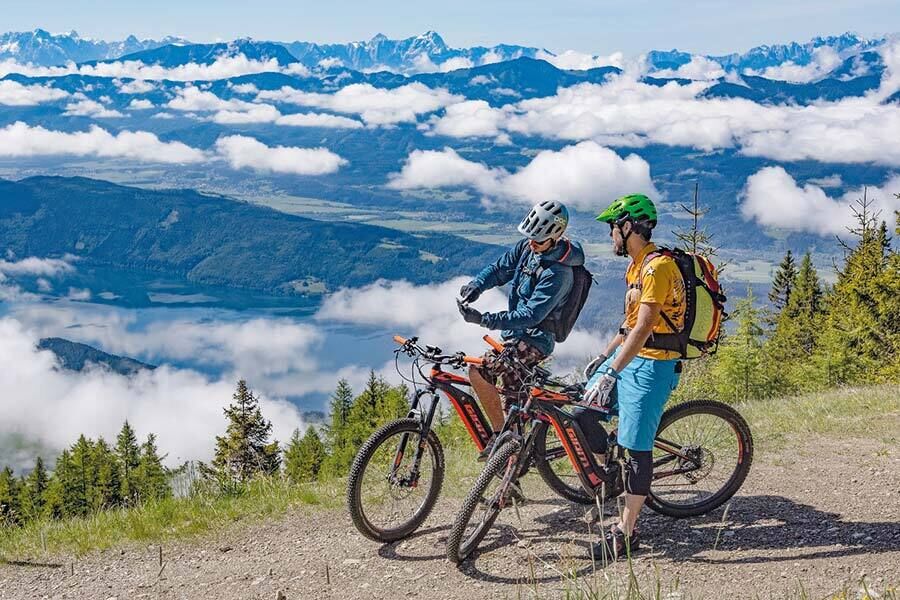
pixel 823 515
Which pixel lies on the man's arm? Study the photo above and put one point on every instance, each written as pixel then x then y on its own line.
pixel 648 316
pixel 548 291
pixel 502 271
pixel 613 344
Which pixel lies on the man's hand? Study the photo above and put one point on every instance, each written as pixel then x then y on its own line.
pixel 592 366
pixel 469 314
pixel 600 393
pixel 469 292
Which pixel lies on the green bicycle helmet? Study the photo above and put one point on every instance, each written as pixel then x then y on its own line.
pixel 636 206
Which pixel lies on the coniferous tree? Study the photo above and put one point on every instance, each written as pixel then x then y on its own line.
pixel 887 309
pixel 341 403
pixel 783 282
pixel 61 488
pixel 794 341
pixel 740 372
pixel 82 481
pixel 128 454
pixel 33 490
pixel 245 451
pixel 151 476
pixel 304 456
pixel 107 491
pixel 10 511
pixel 852 341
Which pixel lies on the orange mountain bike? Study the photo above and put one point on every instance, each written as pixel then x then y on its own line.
pixel 397 474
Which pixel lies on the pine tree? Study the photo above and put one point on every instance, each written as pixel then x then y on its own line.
pixel 10 511
pixel 31 496
pixel 128 455
pixel 696 239
pixel 740 372
pixel 81 491
pixel 61 488
pixel 797 329
pixel 852 343
pixel 341 403
pixel 783 282
pixel 107 491
pixel 304 456
pixel 245 451
pixel 151 476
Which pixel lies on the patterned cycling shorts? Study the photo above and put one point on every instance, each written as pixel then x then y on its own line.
pixel 507 378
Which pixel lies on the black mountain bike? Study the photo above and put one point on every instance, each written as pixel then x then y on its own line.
pixel 398 472
pixel 701 456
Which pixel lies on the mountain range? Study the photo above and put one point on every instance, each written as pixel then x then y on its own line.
pixel 214 240
pixel 74 356
pixel 425 52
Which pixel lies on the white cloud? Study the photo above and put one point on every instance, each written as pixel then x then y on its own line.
pixel 317 120
pixel 330 62
pixel 193 99
pixel 54 406
pixel 246 152
pixel 581 175
pixel 13 93
pixel 376 106
pixel 90 108
pixel 627 112
pixel 254 113
pixel 457 62
pixel 570 60
pixel 44 267
pixel 244 88
pixel 135 86
pixel 20 139
pixel 824 60
pixel 429 312
pixel 469 118
pixel 223 67
pixel 773 198
pixel 141 104
pixel 699 68
pixel 490 57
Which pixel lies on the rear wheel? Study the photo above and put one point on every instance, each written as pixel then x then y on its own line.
pixel 483 504
pixel 386 499
pixel 555 468
pixel 716 450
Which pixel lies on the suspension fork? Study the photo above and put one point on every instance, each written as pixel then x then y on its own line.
pixel 424 428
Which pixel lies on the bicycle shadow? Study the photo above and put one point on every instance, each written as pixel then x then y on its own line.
pixel 770 523
pixel 752 523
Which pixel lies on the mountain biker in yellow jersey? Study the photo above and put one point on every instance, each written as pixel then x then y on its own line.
pixel 637 372
pixel 539 270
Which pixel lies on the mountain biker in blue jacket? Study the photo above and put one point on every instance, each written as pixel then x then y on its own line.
pixel 539 269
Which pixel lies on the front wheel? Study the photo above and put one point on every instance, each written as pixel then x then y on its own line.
pixel 482 506
pixel 387 497
pixel 555 468
pixel 713 449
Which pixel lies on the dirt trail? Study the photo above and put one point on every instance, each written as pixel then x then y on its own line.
pixel 824 515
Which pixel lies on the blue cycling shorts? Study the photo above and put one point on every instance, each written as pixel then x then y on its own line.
pixel 640 395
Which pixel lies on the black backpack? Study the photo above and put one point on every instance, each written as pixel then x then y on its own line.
pixel 561 320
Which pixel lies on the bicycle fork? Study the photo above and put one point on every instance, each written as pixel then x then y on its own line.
pixel 412 479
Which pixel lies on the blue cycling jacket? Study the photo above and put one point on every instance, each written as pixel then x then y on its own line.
pixel 534 293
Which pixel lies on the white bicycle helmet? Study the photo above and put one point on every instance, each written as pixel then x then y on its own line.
pixel 547 220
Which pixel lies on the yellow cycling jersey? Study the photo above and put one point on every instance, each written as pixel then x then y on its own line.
pixel 660 283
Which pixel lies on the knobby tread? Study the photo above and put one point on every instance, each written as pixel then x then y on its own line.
pixel 361 461
pixel 739 424
pixel 495 465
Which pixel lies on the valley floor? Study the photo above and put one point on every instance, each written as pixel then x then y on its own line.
pixel 824 516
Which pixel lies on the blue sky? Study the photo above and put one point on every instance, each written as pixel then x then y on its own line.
pixel 707 26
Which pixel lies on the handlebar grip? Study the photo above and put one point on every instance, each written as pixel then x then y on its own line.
pixel 400 340
pixel 473 360
pixel 493 343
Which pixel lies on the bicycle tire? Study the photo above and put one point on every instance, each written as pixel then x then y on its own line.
pixel 361 462
pixel 457 548
pixel 745 439
pixel 545 470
